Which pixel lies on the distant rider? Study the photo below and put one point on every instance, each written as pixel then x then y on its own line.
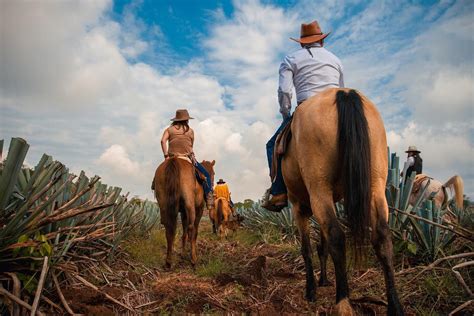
pixel 180 139
pixel 221 190
pixel 413 163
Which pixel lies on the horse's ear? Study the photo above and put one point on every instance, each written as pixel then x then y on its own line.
pixel 213 162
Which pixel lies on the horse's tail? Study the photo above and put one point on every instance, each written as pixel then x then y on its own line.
pixel 220 211
pixel 172 188
pixel 354 165
pixel 457 183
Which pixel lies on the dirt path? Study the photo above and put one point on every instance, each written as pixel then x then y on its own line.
pixel 239 274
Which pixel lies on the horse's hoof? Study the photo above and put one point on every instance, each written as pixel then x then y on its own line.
pixel 344 308
pixel 167 266
pixel 395 310
pixel 310 297
pixel 324 282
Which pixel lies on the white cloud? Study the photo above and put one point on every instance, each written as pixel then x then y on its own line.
pixel 117 159
pixel 444 153
pixel 81 93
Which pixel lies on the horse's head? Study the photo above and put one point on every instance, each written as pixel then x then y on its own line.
pixel 209 166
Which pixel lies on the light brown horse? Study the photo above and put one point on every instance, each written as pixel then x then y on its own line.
pixel 339 150
pixel 177 190
pixel 442 193
pixel 220 215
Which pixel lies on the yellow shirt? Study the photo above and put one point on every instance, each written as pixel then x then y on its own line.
pixel 222 190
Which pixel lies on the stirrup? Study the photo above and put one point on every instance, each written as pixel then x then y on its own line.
pixel 268 204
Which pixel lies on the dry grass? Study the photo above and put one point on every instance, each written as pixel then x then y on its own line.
pixel 243 274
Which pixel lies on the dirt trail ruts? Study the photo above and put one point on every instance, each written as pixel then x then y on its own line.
pixel 239 274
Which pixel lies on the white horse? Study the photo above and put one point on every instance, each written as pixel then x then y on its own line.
pixel 442 193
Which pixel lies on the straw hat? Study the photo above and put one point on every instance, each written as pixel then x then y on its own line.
pixel 310 33
pixel 412 149
pixel 181 115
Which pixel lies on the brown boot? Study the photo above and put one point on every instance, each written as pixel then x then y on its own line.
pixel 274 203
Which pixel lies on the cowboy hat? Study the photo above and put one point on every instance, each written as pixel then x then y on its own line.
pixel 310 33
pixel 412 149
pixel 220 181
pixel 181 115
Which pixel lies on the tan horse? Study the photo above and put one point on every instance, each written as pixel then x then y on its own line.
pixel 442 193
pixel 177 190
pixel 339 150
pixel 219 216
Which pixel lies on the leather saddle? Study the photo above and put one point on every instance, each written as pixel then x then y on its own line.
pixel 281 144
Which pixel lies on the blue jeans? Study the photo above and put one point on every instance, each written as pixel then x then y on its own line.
pixel 207 185
pixel 278 185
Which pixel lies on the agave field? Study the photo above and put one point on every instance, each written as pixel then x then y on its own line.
pixel 53 224
pixel 71 244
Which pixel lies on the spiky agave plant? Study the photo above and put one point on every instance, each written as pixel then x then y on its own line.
pixel 414 236
pixel 47 211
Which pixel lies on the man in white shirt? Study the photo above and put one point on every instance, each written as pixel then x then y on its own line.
pixel 310 70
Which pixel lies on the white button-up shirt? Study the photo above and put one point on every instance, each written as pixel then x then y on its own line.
pixel 310 70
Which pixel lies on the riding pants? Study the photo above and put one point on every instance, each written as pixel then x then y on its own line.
pixel 207 185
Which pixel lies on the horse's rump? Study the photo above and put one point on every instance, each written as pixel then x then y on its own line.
pixel 167 184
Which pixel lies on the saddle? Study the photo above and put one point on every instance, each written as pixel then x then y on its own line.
pixel 200 177
pixel 419 179
pixel 281 145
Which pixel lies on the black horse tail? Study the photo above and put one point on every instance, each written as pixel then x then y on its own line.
pixel 172 189
pixel 354 165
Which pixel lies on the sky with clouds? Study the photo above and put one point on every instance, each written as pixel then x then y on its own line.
pixel 94 83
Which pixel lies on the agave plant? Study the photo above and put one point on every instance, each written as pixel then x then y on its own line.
pixel 46 211
pixel 414 235
pixel 258 218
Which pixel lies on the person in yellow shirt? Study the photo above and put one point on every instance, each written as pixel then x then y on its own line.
pixel 221 190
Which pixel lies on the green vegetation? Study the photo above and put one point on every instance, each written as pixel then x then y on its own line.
pixel 212 265
pixel 147 250
pixel 48 213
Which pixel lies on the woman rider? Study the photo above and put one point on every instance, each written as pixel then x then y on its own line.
pixel 178 140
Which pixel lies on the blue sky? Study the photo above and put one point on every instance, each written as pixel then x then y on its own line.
pixel 94 83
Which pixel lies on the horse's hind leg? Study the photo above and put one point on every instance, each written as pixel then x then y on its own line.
pixel 197 219
pixel 325 213
pixel 382 243
pixel 191 217
pixel 184 224
pixel 170 235
pixel 323 251
pixel 301 218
